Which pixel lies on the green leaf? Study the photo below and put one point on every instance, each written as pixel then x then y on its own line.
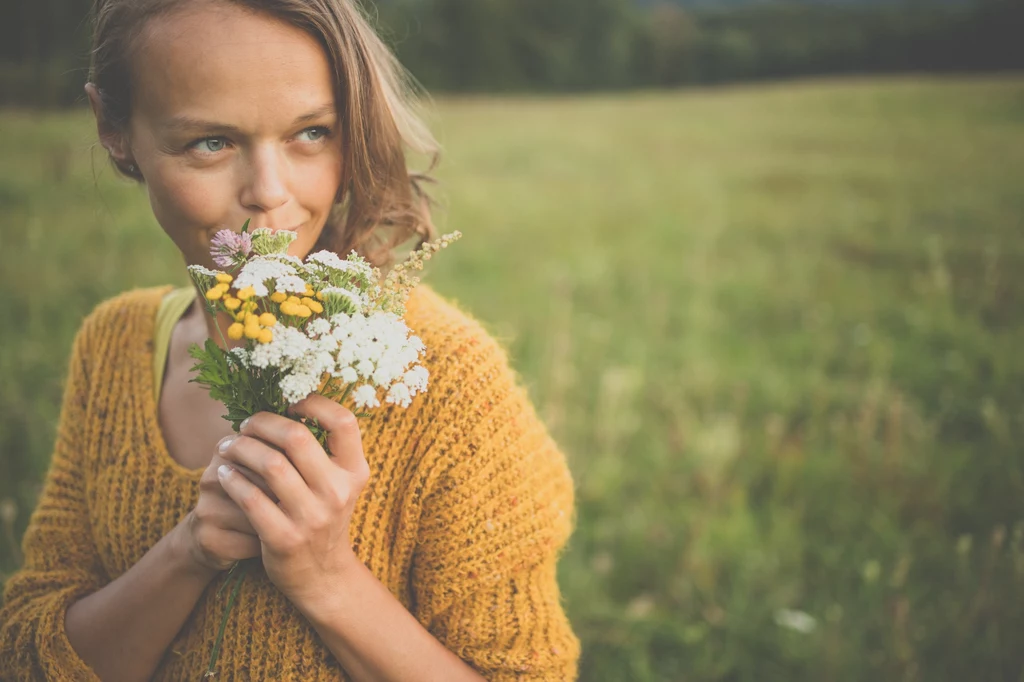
pixel 245 228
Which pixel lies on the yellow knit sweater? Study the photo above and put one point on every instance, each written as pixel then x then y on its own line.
pixel 467 508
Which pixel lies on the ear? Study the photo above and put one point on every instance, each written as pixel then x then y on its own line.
pixel 112 139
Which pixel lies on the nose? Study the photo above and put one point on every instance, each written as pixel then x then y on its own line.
pixel 266 184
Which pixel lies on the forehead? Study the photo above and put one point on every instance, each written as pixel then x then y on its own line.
pixel 218 61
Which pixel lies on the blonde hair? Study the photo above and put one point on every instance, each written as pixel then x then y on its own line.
pixel 381 203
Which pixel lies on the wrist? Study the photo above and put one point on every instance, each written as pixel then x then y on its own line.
pixel 182 556
pixel 322 603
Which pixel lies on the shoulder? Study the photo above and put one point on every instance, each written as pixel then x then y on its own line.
pixel 460 353
pixel 479 404
pixel 117 318
pixel 471 377
pixel 442 322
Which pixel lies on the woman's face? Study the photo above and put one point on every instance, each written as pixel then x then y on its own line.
pixel 233 118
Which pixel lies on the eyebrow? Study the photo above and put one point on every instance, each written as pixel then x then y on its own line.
pixel 190 124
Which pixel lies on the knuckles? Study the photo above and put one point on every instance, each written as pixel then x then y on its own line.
pixel 250 499
pixel 297 436
pixel 276 466
pixel 361 473
pixel 345 420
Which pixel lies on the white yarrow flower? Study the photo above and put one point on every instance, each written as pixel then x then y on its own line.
pixel 290 284
pixel 416 378
pixel 365 396
pixel 329 259
pixel 203 270
pixel 318 327
pixel 259 270
pixel 400 395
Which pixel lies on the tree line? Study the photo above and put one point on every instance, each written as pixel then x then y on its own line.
pixel 580 45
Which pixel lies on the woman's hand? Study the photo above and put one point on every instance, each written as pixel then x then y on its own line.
pixel 217 533
pixel 304 532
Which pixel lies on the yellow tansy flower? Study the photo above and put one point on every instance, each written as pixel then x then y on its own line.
pixel 266 336
pixel 231 303
pixel 246 293
pixel 278 297
pixel 224 278
pixel 235 331
pixel 268 319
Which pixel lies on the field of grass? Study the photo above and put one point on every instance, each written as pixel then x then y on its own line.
pixel 779 330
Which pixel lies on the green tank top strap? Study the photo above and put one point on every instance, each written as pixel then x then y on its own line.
pixel 172 307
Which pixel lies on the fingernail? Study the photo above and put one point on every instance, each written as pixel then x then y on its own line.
pixel 244 422
pixel 223 446
pixel 223 470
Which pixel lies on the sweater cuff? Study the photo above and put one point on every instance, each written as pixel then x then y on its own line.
pixel 54 656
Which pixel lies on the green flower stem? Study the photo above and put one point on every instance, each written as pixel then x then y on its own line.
pixel 236 574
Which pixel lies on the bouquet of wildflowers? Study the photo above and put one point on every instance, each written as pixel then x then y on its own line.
pixel 324 325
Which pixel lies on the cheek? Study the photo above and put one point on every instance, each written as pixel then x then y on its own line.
pixel 186 200
pixel 320 185
pixel 317 188
pixel 189 206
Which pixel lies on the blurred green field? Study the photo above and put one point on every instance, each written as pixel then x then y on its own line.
pixel 779 330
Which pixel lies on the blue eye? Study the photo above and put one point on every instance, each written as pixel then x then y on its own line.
pixel 317 133
pixel 212 145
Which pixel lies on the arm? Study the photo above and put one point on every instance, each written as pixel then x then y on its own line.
pixel 123 630
pixel 494 605
pixel 307 553
pixel 61 564
pixel 376 639
pixel 61 620
pixel 484 576
pixel 484 582
pixel 497 513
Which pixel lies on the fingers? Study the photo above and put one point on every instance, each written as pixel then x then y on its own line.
pixel 270 471
pixel 220 511
pixel 343 437
pixel 267 519
pixel 223 547
pixel 296 441
pixel 253 477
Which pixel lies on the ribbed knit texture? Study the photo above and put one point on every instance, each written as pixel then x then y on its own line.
pixel 468 505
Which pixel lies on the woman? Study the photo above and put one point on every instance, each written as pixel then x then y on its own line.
pixel 426 549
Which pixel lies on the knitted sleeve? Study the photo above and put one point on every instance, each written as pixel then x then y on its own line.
pixel 61 563
pixel 495 518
